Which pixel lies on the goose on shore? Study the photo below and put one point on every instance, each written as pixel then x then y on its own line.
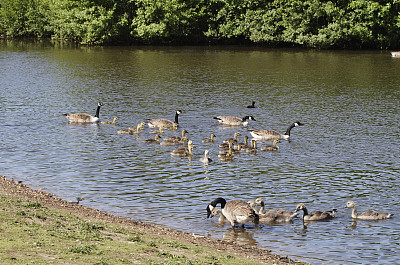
pixel 164 123
pixel 269 134
pixel 234 121
pixel 273 147
pixel 236 211
pixel 316 215
pixel 367 215
pixel 274 215
pixel 84 117
pixel 210 140
pixel 110 122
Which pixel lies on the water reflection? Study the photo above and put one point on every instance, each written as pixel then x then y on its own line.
pixel 347 149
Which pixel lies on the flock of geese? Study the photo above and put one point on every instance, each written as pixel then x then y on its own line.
pixel 235 211
pixel 241 212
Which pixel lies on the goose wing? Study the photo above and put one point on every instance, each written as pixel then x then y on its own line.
pixel 80 117
pixel 229 120
pixel 266 134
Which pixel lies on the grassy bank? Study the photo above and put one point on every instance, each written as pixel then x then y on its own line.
pixel 37 227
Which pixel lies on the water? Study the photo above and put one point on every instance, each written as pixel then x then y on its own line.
pixel 347 150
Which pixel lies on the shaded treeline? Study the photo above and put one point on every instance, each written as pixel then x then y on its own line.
pixel 305 23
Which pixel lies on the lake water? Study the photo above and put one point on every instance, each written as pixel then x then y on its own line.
pixel 347 150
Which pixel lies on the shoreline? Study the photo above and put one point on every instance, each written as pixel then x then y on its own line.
pixel 19 191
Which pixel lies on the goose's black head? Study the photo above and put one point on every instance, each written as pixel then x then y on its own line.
pixel 249 118
pixel 214 203
pixel 297 123
pixel 100 104
pixel 178 112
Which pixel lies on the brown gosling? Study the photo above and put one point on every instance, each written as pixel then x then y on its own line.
pixel 316 215
pixel 155 140
pixel 185 151
pixel 273 147
pixel 210 140
pixel 205 159
pixel 234 139
pixel 110 122
pixel 367 215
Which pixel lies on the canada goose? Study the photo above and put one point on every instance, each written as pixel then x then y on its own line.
pixel 367 215
pixel 166 124
pixel 252 105
pixel 236 211
pixel 185 151
pixel 242 146
pixel 84 117
pixel 269 134
pixel 316 215
pixel 232 140
pixel 234 121
pixel 205 159
pixel 155 140
pixel 274 215
pixel 110 122
pixel 272 147
pixel 175 138
pixel 210 140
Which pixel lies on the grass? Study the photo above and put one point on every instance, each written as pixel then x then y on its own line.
pixel 34 234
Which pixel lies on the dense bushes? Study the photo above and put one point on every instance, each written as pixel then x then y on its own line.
pixel 307 23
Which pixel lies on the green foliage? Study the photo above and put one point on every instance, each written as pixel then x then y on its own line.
pixel 308 23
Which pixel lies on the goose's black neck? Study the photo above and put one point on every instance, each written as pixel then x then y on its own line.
pixel 176 117
pixel 289 129
pixel 220 200
pixel 305 211
pixel 98 111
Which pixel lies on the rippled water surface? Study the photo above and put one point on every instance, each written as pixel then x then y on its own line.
pixel 347 150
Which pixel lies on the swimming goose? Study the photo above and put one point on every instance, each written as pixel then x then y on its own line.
pixel 252 105
pixel 269 134
pixel 166 124
pixel 367 215
pixel 155 140
pixel 272 147
pixel 132 130
pixel 84 117
pixel 110 122
pixel 175 142
pixel 184 151
pixel 253 148
pixel 205 159
pixel 234 121
pixel 175 138
pixel 159 131
pixel 236 211
pixel 242 146
pixel 232 140
pixel 316 215
pixel 274 215
pixel 226 155
pixel 210 140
